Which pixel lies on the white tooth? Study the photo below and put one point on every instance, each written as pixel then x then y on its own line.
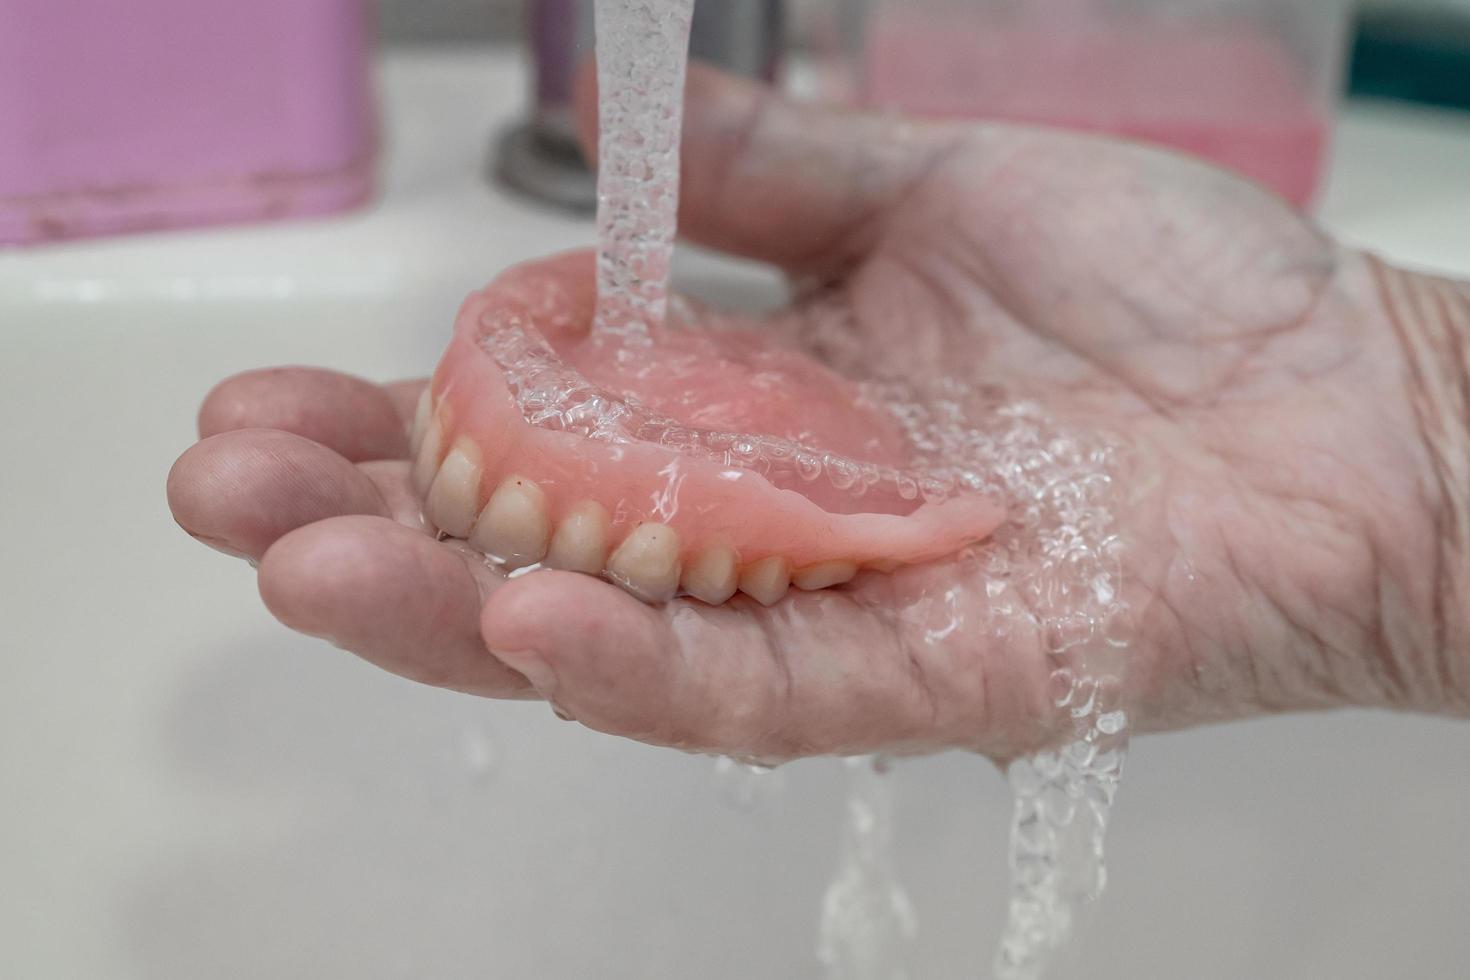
pixel 454 497
pixel 767 581
pixel 426 460
pixel 421 416
pixel 714 574
pixel 824 575
pixel 514 527
pixel 886 566
pixel 647 563
pixel 580 541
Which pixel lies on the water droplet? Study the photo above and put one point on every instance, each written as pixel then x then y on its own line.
pixel 1118 628
pixel 679 438
pixel 1057 805
pixel 936 489
pixel 745 785
pixel 1083 700
pixel 1062 687
pixel 1109 693
pixel 867 917
pixel 1048 764
pixel 1034 835
pixel 1080 754
pixel 1067 632
pixel 477 751
pixel 842 472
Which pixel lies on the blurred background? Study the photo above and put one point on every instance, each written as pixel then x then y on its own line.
pixel 187 790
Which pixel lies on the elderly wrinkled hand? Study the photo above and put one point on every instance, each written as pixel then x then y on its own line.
pixel 1293 411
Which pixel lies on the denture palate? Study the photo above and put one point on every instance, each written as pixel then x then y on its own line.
pixel 653 515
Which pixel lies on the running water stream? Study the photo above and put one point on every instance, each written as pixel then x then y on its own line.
pixel 642 56
pixel 1054 569
pixel 868 920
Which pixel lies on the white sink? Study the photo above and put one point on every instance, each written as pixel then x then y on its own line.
pixel 191 791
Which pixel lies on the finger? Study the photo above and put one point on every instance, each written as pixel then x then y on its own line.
pixel 356 418
pixel 393 596
pixel 241 491
pixel 405 398
pixel 809 677
pixel 805 187
pixel 403 503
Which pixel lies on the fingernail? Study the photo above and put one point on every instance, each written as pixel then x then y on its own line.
pixel 532 667
pixel 223 548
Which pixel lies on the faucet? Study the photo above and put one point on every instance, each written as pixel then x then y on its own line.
pixel 540 156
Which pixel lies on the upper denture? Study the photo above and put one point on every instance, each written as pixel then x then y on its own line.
pixel 713 434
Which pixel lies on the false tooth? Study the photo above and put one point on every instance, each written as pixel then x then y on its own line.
pixel 767 581
pixel 421 415
pixel 514 527
pixel 426 460
pixel 454 497
pixel 824 575
pixel 647 563
pixel 714 575
pixel 580 541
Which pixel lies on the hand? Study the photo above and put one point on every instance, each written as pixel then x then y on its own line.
pixel 1286 499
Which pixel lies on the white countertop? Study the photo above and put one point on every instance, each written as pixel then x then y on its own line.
pixel 189 791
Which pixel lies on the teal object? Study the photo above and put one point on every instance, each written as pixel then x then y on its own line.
pixel 1414 56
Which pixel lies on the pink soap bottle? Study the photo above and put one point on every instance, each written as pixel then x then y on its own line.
pixel 1248 84
pixel 148 114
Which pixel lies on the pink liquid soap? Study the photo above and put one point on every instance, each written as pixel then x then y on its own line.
pixel 1235 98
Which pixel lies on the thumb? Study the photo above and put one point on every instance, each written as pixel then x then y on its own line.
pixel 805 187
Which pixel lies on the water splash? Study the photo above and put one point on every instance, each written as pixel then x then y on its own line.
pixel 1055 567
pixel 478 752
pixel 552 394
pixel 746 786
pixel 1058 567
pixel 1059 820
pixel 868 921
pixel 1053 571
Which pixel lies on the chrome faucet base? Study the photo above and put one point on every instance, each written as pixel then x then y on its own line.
pixel 544 166
pixel 540 159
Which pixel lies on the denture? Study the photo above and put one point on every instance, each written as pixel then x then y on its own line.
pixel 702 462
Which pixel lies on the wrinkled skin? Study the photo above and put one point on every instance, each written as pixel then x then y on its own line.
pixel 1285 512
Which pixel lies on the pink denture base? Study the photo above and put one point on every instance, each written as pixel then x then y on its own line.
pixel 640 481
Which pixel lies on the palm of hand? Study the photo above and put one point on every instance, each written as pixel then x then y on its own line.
pixel 1240 354
pixel 1235 350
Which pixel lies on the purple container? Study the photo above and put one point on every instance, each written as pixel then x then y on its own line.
pixel 129 115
